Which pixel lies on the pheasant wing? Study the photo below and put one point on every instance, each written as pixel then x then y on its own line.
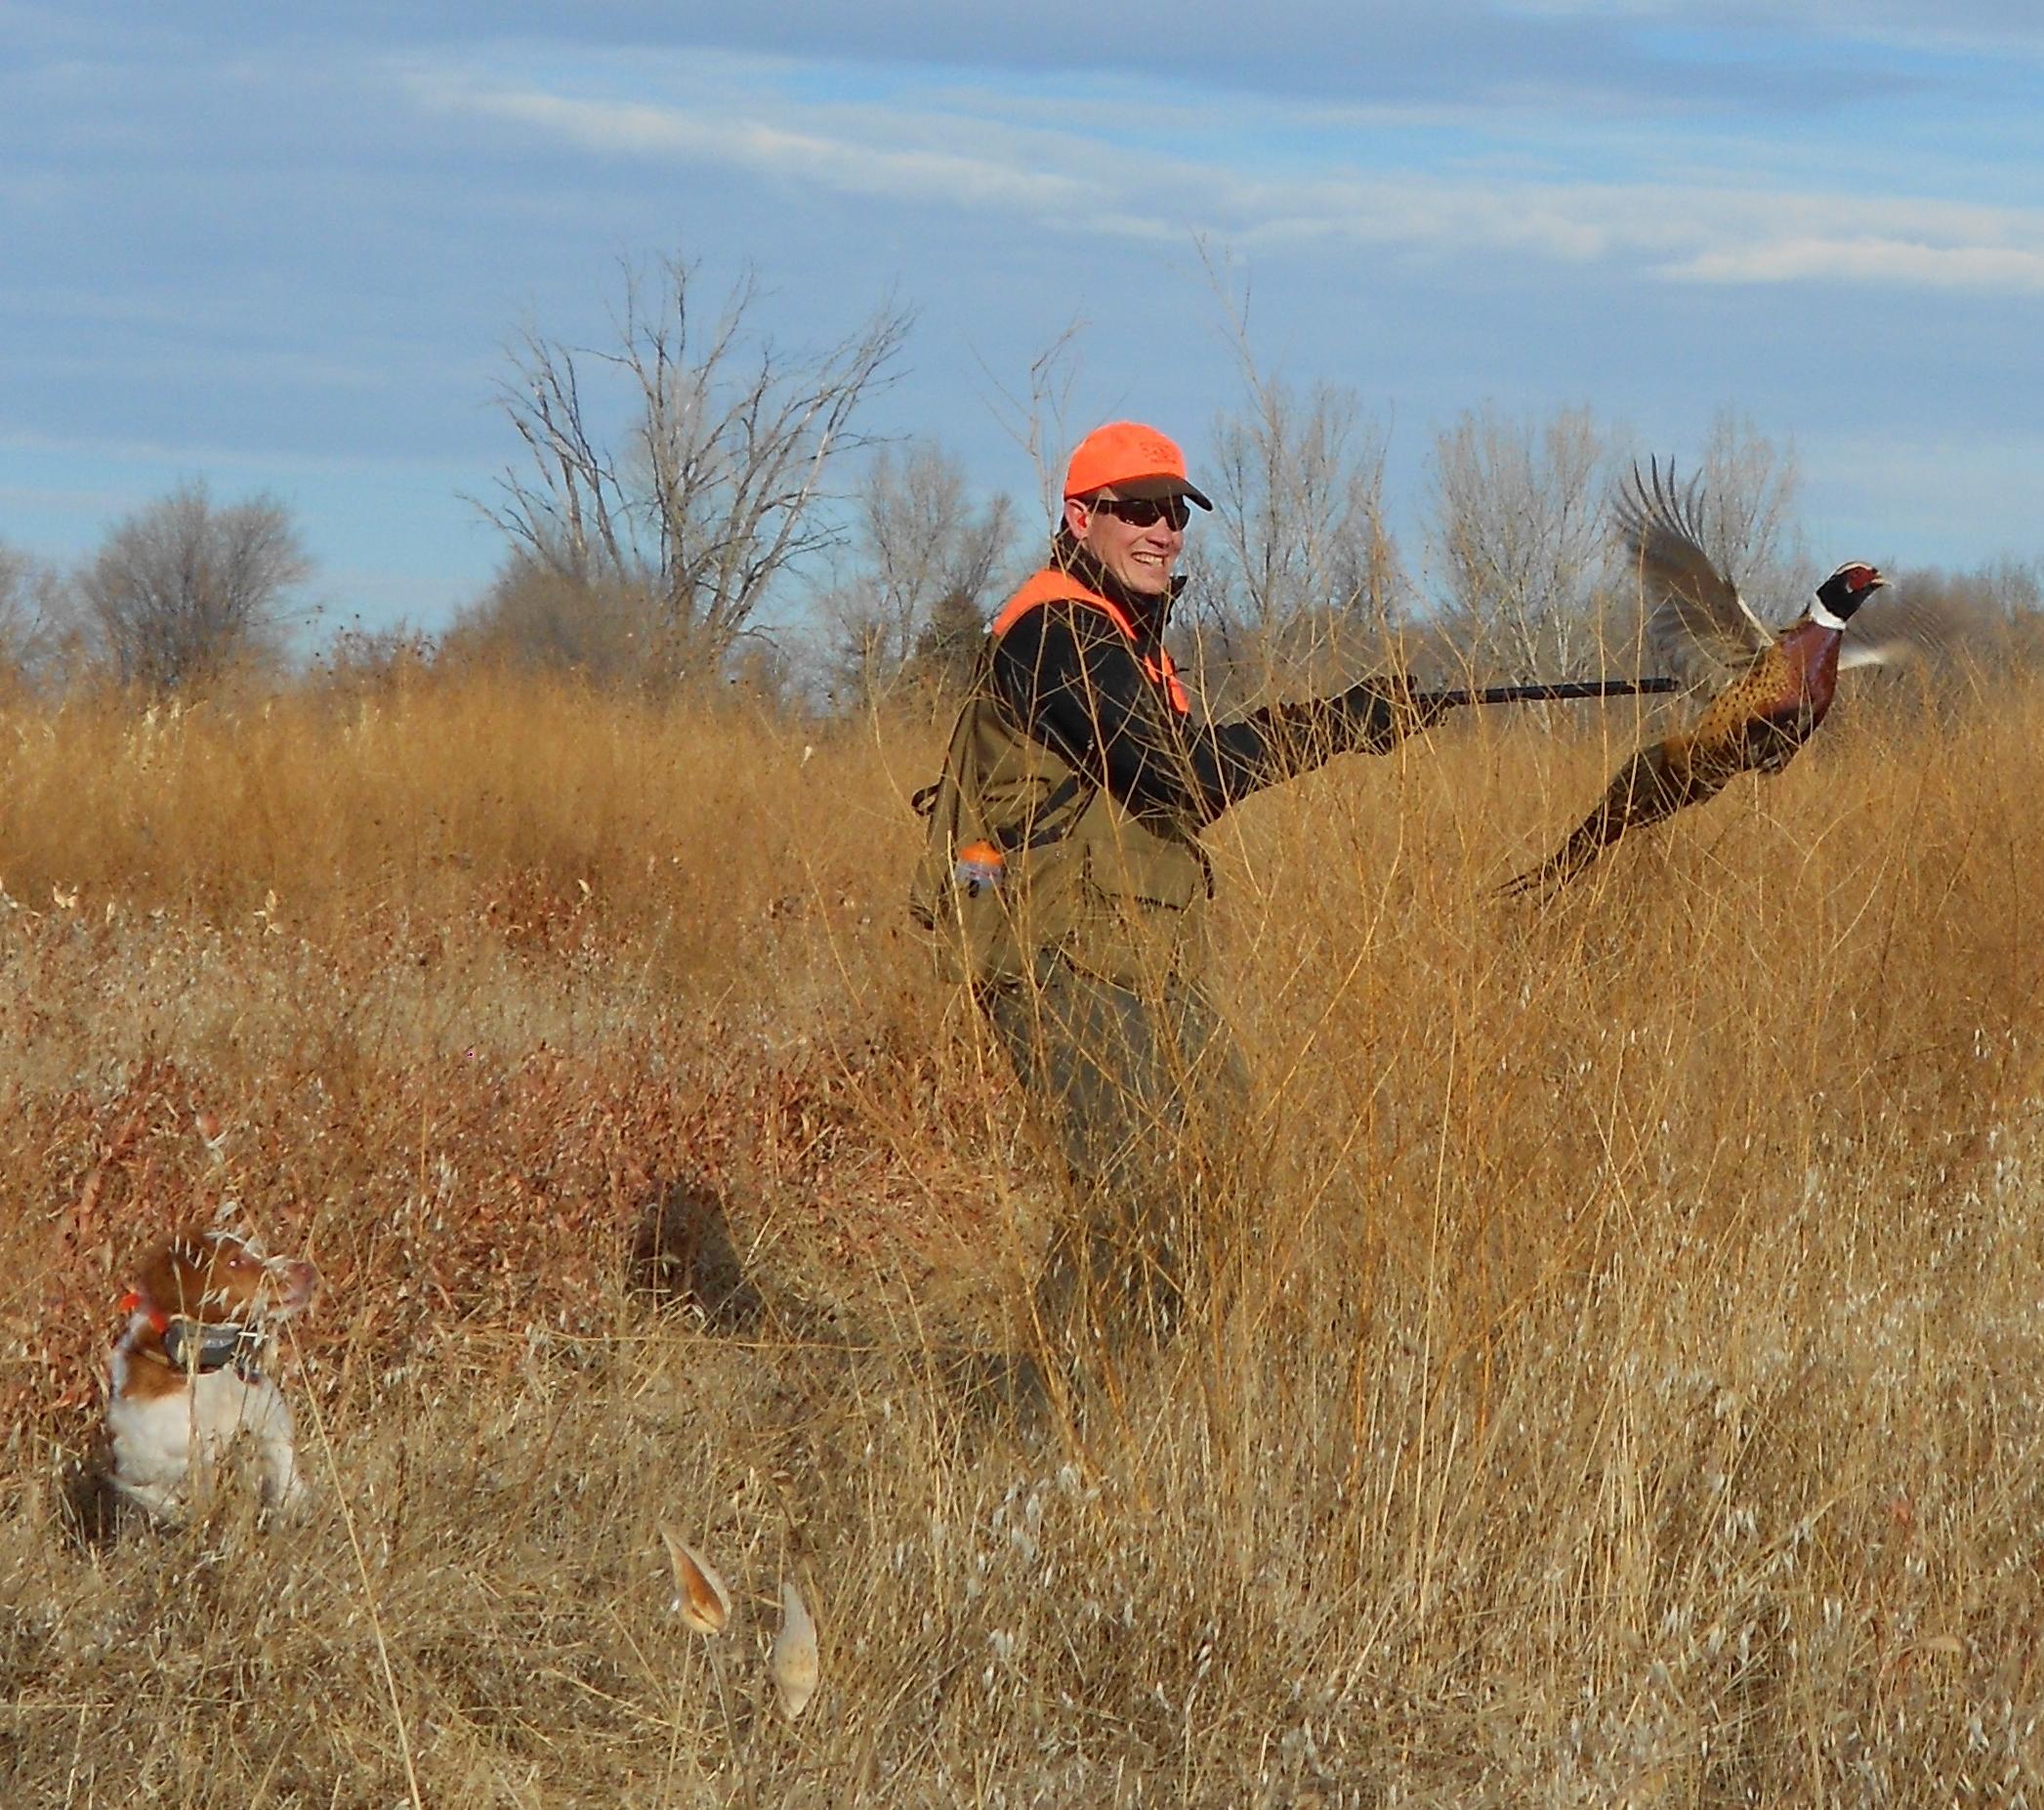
pixel 1698 624
pixel 1853 652
pixel 1892 629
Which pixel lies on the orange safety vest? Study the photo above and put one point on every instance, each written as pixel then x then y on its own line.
pixel 1053 586
pixel 1026 856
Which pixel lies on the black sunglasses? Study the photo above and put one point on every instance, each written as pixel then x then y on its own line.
pixel 1146 511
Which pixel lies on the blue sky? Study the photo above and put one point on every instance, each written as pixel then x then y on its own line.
pixel 286 251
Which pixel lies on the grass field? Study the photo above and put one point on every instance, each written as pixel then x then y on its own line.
pixel 1627 1390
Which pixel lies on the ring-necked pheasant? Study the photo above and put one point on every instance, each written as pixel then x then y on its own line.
pixel 1771 690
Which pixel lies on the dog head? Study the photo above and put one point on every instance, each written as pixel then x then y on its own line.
pixel 221 1278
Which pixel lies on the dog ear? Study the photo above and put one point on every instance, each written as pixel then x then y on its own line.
pixel 145 1297
pixel 167 1276
pixel 155 1281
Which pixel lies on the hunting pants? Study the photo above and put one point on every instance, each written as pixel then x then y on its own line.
pixel 1143 1095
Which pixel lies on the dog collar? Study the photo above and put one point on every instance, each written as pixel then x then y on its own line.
pixel 194 1345
pixel 198 1346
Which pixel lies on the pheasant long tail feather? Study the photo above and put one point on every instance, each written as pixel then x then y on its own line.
pixel 1648 789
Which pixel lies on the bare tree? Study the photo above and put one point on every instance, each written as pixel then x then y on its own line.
pixel 533 615
pixel 1989 617
pixel 2010 590
pixel 920 544
pixel 360 661
pixel 32 617
pixel 1300 564
pixel 708 491
pixel 1748 492
pixel 947 649
pixel 1299 503
pixel 183 590
pixel 1519 531
pixel 1037 419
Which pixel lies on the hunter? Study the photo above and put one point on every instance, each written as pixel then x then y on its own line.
pixel 1065 884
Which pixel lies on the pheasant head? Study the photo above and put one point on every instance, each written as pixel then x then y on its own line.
pixel 1849 586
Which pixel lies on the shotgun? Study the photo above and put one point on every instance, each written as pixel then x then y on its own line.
pixel 1556 693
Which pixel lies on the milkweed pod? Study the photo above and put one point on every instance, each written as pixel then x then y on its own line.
pixel 700 1598
pixel 794 1659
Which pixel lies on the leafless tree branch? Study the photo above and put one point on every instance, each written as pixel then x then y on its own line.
pixel 182 589
pixel 711 493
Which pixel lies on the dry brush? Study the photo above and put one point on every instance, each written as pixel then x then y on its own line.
pixel 1624 1388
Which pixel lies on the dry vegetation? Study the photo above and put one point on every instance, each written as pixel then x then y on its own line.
pixel 1627 1391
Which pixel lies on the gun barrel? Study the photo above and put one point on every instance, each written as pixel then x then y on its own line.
pixel 1558 691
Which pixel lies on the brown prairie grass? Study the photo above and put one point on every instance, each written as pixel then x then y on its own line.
pixel 1625 1388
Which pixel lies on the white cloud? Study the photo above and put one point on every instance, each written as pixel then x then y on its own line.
pixel 193 456
pixel 1426 213
pixel 38 501
pixel 1699 232
pixel 834 161
pixel 1900 263
pixel 1679 234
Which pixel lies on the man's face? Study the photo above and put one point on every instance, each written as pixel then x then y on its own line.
pixel 1141 555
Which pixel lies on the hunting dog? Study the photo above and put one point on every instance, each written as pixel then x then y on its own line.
pixel 186 1379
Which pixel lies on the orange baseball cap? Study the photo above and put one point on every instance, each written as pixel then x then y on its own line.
pixel 1131 461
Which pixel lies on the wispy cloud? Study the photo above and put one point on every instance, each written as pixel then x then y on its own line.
pixel 768 148
pixel 1900 263
pixel 1697 232
pixel 182 456
pixel 44 500
pixel 304 281
pixel 300 368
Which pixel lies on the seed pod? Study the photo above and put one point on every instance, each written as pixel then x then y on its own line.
pixel 700 1596
pixel 794 1659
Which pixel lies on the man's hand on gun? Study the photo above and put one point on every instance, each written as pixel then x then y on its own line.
pixel 1388 707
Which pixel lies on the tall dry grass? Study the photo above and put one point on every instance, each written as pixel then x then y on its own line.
pixel 1625 1388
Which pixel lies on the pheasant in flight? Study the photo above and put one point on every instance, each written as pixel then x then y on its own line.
pixel 1770 690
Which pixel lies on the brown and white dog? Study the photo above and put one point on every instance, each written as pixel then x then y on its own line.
pixel 186 1379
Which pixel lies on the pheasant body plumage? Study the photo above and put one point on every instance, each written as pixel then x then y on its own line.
pixel 1771 692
